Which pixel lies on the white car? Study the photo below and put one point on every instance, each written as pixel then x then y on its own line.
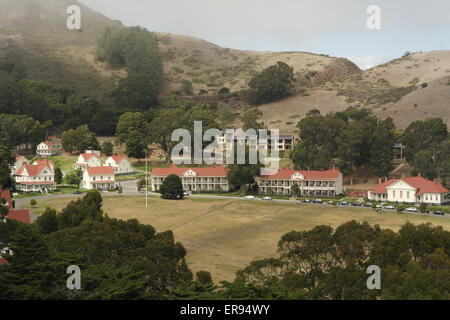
pixel 249 198
pixel 185 194
pixel 389 207
pixel 267 198
pixel 412 209
pixel 379 206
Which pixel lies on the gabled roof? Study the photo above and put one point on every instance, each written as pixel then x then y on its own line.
pixel 20 215
pixel 381 188
pixel 97 171
pixel 117 159
pixel 19 157
pixel 87 156
pixel 287 173
pixel 217 171
pixel 424 185
pixel 33 170
pixel 48 144
pixel 45 162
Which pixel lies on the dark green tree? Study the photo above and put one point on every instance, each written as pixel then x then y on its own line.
pixel 172 188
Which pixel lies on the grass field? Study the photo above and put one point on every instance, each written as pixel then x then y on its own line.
pixel 64 162
pixel 222 236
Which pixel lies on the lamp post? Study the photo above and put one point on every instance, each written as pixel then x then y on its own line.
pixel 146 179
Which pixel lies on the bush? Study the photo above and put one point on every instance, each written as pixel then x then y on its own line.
pixel 172 188
pixel 33 202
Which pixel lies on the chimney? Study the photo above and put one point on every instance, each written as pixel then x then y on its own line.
pixel 419 175
pixel 437 181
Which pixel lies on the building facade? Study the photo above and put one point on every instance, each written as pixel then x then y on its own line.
pixel 36 177
pixel 46 149
pixel 326 183
pixel 194 179
pixel 100 178
pixel 120 164
pixel 410 190
pixel 20 161
pixel 87 160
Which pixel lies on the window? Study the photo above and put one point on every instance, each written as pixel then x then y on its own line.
pixel 401 194
pixel 393 194
pixel 407 194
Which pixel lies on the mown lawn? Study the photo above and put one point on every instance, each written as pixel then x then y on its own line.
pixel 222 236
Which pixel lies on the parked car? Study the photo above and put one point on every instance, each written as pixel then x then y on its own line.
pixel 78 192
pixel 267 198
pixel 356 204
pixel 306 201
pixel 367 205
pixel 330 202
pixel 389 207
pixel 185 194
pixel 378 206
pixel 439 213
pixel 343 203
pixel 412 209
pixel 319 201
pixel 249 198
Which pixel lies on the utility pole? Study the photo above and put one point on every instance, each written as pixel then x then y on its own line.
pixel 146 179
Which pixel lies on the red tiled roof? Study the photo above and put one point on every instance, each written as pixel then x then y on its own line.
pixel 425 186
pixel 87 156
pixel 381 188
pixel 5 194
pixel 48 143
pixel 118 159
pixel 3 261
pixel 20 215
pixel 95 171
pixel 36 182
pixel 217 171
pixel 285 174
pixel 33 170
pixel 45 161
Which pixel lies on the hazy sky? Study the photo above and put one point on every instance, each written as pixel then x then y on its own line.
pixel 334 27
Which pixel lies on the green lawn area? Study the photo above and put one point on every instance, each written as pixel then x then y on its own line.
pixel 222 236
pixel 64 162
pixel 130 177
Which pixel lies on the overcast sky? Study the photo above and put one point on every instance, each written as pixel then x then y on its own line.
pixel 334 27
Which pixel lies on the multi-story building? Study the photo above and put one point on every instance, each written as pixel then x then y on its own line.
pixel 409 190
pixel 100 178
pixel 46 149
pixel 311 183
pixel 193 179
pixel 120 164
pixel 87 160
pixel 36 177
pixel 20 161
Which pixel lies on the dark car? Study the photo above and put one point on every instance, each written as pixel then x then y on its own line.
pixel 356 204
pixel 439 213
pixel 368 205
pixel 78 192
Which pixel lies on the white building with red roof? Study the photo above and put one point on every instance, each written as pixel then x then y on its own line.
pixel 46 148
pixel 193 179
pixel 120 164
pixel 87 160
pixel 410 190
pixel 36 177
pixel 100 178
pixel 311 183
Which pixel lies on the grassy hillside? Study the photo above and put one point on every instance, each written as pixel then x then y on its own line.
pixel 410 88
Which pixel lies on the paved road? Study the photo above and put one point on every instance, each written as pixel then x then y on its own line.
pixel 127 193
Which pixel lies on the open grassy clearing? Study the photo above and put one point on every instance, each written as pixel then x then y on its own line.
pixel 65 163
pixel 222 236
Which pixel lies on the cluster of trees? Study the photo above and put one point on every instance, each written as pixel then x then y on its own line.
pixel 350 139
pixel 331 264
pixel 22 130
pixel 138 129
pixel 273 83
pixel 428 148
pixel 79 140
pixel 59 106
pixel 128 260
pixel 137 50
pixel 118 259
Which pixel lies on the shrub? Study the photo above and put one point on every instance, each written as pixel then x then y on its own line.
pixel 172 188
pixel 33 202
